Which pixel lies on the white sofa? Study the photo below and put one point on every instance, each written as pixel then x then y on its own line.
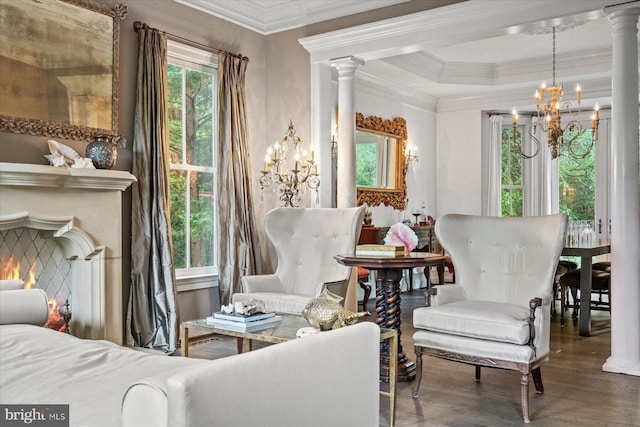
pixel 328 379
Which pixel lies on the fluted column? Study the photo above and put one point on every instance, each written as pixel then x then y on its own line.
pixel 346 184
pixel 625 199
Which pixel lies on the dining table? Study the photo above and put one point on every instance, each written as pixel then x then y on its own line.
pixel 586 251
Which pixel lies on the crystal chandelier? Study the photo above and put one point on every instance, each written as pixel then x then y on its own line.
pixel 290 166
pixel 552 125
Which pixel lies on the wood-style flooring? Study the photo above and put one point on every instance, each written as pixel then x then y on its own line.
pixel 577 391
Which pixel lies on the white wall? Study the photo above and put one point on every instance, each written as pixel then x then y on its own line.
pixel 459 166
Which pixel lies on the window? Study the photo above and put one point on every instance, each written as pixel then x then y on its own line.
pixel 512 190
pixel 192 97
pixel 577 179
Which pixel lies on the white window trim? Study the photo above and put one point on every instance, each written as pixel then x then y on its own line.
pixel 188 279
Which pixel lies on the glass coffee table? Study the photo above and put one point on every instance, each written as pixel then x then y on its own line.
pixel 285 331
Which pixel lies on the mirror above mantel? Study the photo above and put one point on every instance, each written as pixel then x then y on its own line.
pixel 380 161
pixel 59 60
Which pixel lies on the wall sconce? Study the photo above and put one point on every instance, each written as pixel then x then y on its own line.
pixel 334 146
pixel 410 154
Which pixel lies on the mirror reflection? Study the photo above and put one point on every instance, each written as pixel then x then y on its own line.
pixel 68 78
pixel 376 160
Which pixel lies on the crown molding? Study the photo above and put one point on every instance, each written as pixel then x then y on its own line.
pixel 454 23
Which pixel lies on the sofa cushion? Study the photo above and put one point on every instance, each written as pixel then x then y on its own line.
pixel 477 319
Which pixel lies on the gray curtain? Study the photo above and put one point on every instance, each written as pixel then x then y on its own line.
pixel 151 314
pixel 239 252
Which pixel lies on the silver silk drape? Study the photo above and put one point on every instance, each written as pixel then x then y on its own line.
pixel 151 313
pixel 239 249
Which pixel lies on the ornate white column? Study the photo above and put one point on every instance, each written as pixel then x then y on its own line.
pixel 346 185
pixel 625 200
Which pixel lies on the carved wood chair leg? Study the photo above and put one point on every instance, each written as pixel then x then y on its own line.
pixel 537 380
pixel 477 373
pixel 418 370
pixel 367 293
pixel 525 396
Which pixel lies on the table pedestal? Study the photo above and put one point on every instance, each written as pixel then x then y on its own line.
pixel 388 316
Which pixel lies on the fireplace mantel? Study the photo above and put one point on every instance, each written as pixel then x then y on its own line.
pixel 27 175
pixel 80 208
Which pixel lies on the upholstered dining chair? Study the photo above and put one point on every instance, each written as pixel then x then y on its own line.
pixel 497 314
pixel 305 241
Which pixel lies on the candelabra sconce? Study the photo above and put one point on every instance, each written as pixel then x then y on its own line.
pixel 285 154
pixel 411 155
pixel 334 147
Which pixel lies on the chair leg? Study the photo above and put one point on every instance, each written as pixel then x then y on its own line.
pixel 367 293
pixel 524 382
pixel 477 373
pixel 418 370
pixel 537 380
pixel 563 297
pixel 574 294
pixel 553 300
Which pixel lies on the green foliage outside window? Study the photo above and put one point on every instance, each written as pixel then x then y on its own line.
pixel 366 164
pixel 511 195
pixel 191 104
pixel 577 186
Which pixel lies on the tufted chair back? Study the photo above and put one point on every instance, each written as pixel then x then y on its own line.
pixel 503 259
pixel 498 312
pixel 306 241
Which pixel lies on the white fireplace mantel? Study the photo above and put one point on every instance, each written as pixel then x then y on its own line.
pixel 87 204
pixel 27 175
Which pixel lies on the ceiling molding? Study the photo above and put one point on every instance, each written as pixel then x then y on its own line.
pixel 455 23
pixel 270 16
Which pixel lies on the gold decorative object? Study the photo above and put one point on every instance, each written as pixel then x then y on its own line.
pixel 293 168
pixel 550 110
pixel 326 312
pixel 396 196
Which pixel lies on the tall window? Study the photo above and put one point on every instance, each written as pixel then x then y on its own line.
pixel 512 189
pixel 577 180
pixel 192 88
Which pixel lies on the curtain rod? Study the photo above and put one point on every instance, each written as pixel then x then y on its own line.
pixel 138 25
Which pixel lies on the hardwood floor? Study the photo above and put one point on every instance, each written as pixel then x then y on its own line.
pixel 577 392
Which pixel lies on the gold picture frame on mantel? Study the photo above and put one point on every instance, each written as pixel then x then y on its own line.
pixel 60 65
pixel 393 192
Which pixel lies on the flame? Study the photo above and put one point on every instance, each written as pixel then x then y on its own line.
pixel 55 321
pixel 10 270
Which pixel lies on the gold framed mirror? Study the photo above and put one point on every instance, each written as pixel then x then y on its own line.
pixel 59 60
pixel 380 161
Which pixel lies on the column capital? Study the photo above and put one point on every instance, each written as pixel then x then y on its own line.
pixel 624 9
pixel 347 64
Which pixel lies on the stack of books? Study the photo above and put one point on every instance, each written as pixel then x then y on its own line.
pixel 243 322
pixel 379 251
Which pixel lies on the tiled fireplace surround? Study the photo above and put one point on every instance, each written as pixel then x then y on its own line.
pixel 81 210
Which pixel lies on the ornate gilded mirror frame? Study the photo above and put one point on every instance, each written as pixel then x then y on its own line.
pixel 58 37
pixel 397 196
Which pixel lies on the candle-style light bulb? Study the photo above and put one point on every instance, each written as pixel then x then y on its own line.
pixel 514 115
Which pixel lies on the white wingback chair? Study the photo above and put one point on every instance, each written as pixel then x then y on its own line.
pixel 306 241
pixel 498 312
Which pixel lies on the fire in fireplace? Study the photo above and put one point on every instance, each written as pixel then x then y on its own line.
pixel 59 314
